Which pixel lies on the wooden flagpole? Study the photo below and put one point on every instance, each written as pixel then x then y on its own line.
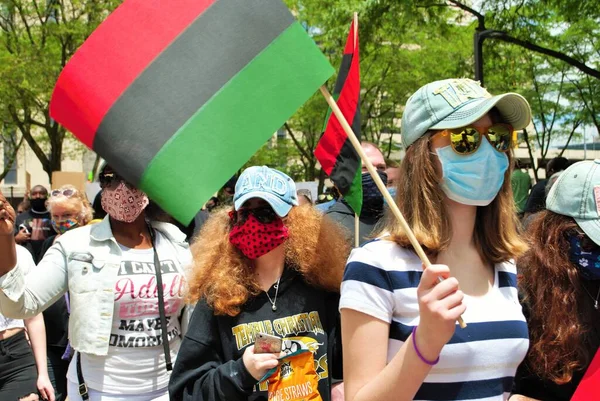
pixel 356 216
pixel 390 201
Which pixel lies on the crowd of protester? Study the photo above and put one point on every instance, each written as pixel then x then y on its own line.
pixel 120 307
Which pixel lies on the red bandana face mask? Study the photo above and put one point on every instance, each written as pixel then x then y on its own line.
pixel 255 239
pixel 123 203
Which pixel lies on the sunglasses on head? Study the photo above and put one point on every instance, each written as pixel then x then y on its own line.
pixel 467 140
pixel 108 179
pixel 264 215
pixel 65 192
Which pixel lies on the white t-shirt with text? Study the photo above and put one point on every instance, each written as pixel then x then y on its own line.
pixel 136 362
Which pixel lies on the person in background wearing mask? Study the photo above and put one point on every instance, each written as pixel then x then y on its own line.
pixel 263 265
pixel 372 206
pixel 33 227
pixel 124 335
pixel 561 287
pixel 69 209
pixel 400 337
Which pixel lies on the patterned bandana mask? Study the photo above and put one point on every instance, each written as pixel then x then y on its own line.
pixel 123 203
pixel 372 205
pixel 255 239
pixel 588 263
pixel 63 226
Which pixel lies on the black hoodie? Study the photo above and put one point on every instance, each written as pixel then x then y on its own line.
pixel 209 363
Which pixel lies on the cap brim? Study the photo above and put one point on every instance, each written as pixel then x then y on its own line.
pixel 280 207
pixel 512 106
pixel 591 228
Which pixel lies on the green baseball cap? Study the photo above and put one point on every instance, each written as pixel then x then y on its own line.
pixel 576 193
pixel 456 103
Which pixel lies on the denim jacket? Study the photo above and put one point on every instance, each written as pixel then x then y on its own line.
pixel 84 261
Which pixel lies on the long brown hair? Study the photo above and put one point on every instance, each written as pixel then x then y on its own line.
pixel 561 316
pixel 316 248
pixel 421 201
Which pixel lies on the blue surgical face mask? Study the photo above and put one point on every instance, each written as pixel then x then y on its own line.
pixel 473 179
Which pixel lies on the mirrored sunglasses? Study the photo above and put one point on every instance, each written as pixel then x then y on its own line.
pixel 467 140
pixel 263 214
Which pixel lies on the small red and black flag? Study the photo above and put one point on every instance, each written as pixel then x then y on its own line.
pixel 334 151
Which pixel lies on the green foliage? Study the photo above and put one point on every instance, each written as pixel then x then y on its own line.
pixel 37 38
pixel 563 98
pixel 402 46
pixel 278 153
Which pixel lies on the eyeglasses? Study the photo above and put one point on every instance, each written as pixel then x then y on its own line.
pixel 65 192
pixel 263 214
pixel 467 140
pixel 108 179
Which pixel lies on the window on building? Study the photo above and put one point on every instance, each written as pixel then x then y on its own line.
pixel 11 176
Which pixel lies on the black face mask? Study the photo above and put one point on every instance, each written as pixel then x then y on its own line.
pixel 38 205
pixel 372 198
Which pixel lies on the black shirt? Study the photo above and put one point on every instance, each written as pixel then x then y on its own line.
pixel 209 363
pixel 40 227
pixel 537 198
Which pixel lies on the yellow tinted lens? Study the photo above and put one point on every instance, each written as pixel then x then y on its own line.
pixel 465 141
pixel 500 137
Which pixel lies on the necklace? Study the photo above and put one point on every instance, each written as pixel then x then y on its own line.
pixel 274 300
pixel 597 296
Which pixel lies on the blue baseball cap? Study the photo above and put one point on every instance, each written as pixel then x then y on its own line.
pixel 455 103
pixel 576 193
pixel 269 184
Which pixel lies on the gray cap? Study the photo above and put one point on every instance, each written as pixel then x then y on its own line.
pixel 455 103
pixel 576 193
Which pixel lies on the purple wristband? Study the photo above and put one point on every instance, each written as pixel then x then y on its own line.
pixel 414 341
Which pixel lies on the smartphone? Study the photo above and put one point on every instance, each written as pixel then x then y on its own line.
pixel 23 227
pixel 267 344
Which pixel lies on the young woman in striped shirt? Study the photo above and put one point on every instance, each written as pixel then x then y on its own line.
pixel 399 331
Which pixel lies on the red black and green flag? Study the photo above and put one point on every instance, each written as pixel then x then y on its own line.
pixel 178 95
pixel 334 151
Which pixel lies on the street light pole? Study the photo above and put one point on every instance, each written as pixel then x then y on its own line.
pixel 478 50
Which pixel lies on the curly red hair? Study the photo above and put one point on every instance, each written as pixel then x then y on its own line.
pixel 316 248
pixel 561 314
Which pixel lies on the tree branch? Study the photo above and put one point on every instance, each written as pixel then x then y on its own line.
pixel 530 151
pixel 576 124
pixel 296 142
pixel 12 156
pixel 26 132
pixel 464 7
pixel 505 37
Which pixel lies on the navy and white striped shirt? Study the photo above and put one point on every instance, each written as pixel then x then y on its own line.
pixel 479 362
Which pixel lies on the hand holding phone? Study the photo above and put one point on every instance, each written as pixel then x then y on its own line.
pixel 24 228
pixel 266 343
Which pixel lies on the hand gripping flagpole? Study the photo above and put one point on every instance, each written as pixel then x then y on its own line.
pixel 390 201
